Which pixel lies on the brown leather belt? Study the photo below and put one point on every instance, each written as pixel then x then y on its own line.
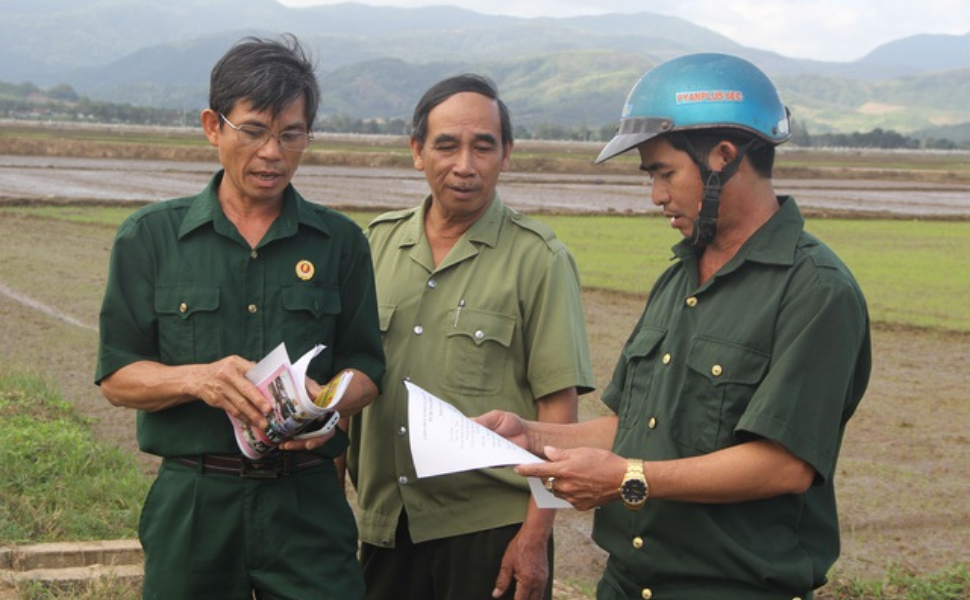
pixel 276 465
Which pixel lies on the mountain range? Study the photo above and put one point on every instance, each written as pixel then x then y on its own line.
pixel 374 62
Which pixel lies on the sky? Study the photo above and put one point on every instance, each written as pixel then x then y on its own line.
pixel 832 30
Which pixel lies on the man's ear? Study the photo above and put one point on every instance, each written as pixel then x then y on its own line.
pixel 211 122
pixel 416 157
pixel 506 155
pixel 722 155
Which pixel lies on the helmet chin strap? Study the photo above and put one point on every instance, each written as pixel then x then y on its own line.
pixel 705 225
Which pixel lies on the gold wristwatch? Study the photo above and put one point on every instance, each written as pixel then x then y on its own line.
pixel 634 489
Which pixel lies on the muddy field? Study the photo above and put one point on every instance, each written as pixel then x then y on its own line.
pixel 31 177
pixel 905 467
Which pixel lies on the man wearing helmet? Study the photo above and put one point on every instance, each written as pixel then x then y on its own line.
pixel 714 474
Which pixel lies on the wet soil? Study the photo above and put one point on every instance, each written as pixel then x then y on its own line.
pixel 110 180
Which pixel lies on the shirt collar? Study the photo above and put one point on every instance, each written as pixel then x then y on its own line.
pixel 484 230
pixel 296 211
pixel 774 243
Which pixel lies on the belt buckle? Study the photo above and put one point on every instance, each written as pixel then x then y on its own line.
pixel 264 468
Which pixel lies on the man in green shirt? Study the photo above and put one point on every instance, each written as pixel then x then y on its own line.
pixel 200 288
pixel 714 476
pixel 480 306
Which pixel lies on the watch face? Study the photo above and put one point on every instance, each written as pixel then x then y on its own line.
pixel 634 490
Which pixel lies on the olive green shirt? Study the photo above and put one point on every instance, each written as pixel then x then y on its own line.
pixel 184 287
pixel 498 324
pixel 774 346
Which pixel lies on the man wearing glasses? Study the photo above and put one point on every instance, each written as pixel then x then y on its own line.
pixel 200 288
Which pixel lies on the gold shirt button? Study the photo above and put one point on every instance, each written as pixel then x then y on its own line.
pixel 252 309
pixel 692 302
pixel 666 358
pixel 646 594
pixel 652 423
pixel 716 370
pixel 638 542
pixel 183 307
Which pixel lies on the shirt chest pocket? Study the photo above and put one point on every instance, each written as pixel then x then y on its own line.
pixel 640 356
pixel 189 327
pixel 310 317
pixel 477 351
pixel 721 378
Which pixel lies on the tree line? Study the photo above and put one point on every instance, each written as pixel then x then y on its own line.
pixel 62 103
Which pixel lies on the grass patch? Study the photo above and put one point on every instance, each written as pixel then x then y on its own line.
pixel 105 588
pixel 907 269
pixel 902 583
pixel 110 215
pixel 58 483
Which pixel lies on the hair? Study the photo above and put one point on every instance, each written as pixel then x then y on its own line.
pixel 446 88
pixel 269 74
pixel 760 154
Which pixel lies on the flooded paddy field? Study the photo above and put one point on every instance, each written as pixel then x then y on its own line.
pixel 112 180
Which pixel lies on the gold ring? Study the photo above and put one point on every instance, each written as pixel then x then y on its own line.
pixel 548 483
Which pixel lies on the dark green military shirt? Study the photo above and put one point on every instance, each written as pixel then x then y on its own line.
pixel 774 346
pixel 184 287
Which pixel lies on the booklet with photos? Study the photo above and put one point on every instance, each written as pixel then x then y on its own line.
pixel 294 413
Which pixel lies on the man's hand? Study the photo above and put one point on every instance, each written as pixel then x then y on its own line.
pixel 223 384
pixel 584 477
pixel 527 562
pixel 508 425
pixel 152 386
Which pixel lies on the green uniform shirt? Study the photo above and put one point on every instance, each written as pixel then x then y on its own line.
pixel 774 346
pixel 184 287
pixel 498 324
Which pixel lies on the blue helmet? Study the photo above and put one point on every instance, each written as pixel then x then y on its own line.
pixel 700 91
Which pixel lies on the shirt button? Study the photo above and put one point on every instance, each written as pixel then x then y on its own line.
pixel 252 309
pixel 666 359
pixel 652 423
pixel 402 430
pixel 418 330
pixel 432 283
pixel 183 307
pixel 254 255
pixel 716 370
pixel 479 334
pixel 646 594
pixel 403 479
pixel 692 302
pixel 638 542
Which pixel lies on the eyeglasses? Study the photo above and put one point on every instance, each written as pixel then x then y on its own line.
pixel 255 135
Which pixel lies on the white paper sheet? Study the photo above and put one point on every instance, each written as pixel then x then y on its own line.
pixel 443 440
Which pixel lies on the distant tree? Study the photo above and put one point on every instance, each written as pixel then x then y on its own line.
pixel 63 92
pixel 877 138
pixel 799 134
pixel 26 89
pixel 939 144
